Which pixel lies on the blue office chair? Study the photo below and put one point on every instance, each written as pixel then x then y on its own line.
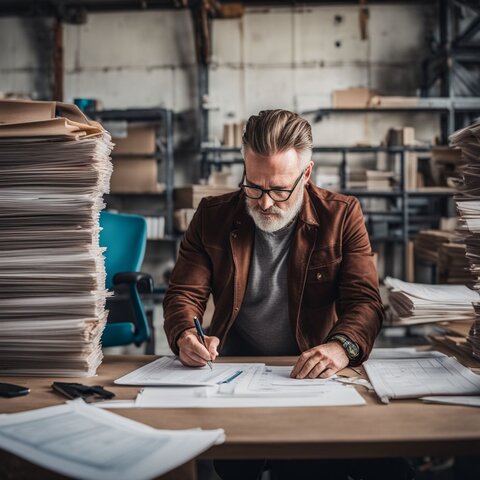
pixel 125 237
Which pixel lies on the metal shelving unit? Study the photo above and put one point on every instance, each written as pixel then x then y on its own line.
pixel 215 158
pixel 452 67
pixel 451 111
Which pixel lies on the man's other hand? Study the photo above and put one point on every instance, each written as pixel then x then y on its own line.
pixel 322 361
pixel 192 351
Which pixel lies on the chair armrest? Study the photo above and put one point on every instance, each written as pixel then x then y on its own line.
pixel 143 281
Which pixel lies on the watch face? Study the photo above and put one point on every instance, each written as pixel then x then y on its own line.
pixel 352 349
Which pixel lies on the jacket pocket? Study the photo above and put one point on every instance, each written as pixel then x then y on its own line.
pixel 325 256
pixel 321 286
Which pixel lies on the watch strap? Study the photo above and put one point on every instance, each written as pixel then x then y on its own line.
pixel 351 348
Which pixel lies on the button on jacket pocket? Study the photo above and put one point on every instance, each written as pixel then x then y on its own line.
pixel 324 273
pixel 321 285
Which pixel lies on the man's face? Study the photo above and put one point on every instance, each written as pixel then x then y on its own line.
pixel 276 171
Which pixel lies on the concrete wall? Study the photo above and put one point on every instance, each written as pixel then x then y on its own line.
pixel 276 57
pixel 294 58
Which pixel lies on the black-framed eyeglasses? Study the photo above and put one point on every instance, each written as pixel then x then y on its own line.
pixel 276 194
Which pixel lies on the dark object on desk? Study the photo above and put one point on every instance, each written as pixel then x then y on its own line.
pixel 9 390
pixel 87 392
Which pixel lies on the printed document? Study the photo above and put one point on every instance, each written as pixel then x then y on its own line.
pixel 419 377
pixel 81 441
pixel 170 371
pixel 256 386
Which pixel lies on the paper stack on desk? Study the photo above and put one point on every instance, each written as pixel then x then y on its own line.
pixel 53 174
pixel 233 385
pixel 468 207
pixel 396 378
pixel 84 442
pixel 417 303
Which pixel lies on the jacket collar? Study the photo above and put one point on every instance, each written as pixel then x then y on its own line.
pixel 308 213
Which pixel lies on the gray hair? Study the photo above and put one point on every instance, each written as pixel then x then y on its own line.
pixel 276 131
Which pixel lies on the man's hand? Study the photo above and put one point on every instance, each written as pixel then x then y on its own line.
pixel 192 351
pixel 320 362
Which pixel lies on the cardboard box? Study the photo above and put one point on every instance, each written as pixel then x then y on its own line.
pixel 399 136
pixel 380 101
pixel 352 97
pixel 190 197
pixel 140 140
pixel 182 218
pixel 134 175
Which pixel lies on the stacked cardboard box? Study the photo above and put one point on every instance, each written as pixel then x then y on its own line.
pixel 190 196
pixel 135 167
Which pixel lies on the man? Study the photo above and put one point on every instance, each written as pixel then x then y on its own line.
pixel 289 265
pixel 291 272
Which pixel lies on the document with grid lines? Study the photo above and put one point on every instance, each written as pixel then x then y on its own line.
pixel 419 377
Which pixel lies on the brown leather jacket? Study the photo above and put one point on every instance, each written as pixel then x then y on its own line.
pixel 333 284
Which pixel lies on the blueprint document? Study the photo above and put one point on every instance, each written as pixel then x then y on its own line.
pixel 83 442
pixel 170 371
pixel 257 386
pixel 420 377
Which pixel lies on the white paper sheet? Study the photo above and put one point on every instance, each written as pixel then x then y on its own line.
pixel 438 293
pixel 275 381
pixel 257 386
pixel 468 401
pixel 404 352
pixel 81 441
pixel 170 371
pixel 200 397
pixel 418 377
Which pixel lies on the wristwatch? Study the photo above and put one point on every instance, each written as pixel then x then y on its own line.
pixel 351 348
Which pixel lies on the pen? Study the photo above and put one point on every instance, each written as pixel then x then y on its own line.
pixel 233 377
pixel 202 337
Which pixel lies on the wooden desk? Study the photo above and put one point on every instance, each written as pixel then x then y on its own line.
pixel 402 428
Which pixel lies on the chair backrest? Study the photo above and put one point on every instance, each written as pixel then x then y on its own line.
pixel 125 237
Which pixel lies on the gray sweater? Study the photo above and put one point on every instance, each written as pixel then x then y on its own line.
pixel 262 326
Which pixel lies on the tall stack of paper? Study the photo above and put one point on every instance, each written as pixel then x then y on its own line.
pixel 54 171
pixel 468 207
pixel 452 264
pixel 474 334
pixel 427 244
pixel 416 303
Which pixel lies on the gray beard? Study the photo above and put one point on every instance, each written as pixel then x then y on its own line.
pixel 280 219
